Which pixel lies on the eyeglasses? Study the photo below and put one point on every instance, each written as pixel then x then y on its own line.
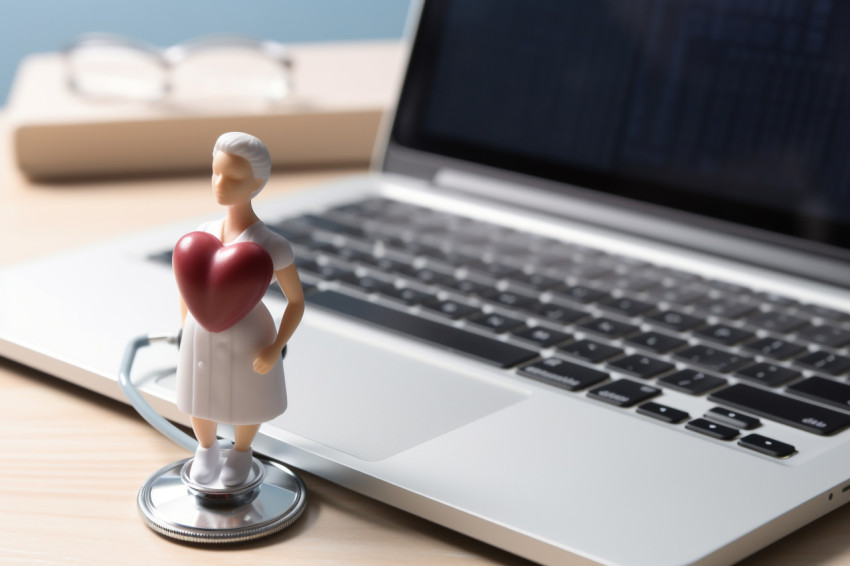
pixel 214 69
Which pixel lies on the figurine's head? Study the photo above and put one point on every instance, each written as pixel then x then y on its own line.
pixel 249 148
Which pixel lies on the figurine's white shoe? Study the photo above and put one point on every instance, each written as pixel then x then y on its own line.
pixel 236 467
pixel 205 465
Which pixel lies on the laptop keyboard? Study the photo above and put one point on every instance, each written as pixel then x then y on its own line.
pixel 617 329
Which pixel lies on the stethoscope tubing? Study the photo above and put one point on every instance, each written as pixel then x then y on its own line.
pixel 147 412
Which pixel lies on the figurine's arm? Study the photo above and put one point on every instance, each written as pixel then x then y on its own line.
pixel 290 283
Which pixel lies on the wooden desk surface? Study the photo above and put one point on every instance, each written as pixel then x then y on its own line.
pixel 72 461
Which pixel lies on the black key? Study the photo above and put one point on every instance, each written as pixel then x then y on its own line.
pixel 767 446
pixel 711 358
pixel 537 281
pixel 774 348
pixel 352 255
pixel 626 307
pixel 412 248
pixel 824 390
pixel 509 251
pixel 326 272
pixel 656 342
pixel 724 334
pixel 726 308
pixel 389 240
pixel 162 257
pixel 692 382
pixel 308 288
pixel 329 225
pixel 543 337
pixel 674 320
pixel 775 299
pixel 467 287
pixel 582 271
pixel 557 313
pixel 297 236
pixel 825 312
pixel 431 276
pixel 631 283
pixel 714 430
pixel 624 393
pixel 511 299
pixel 567 375
pixel 455 259
pixel 347 214
pixel 768 374
pixel 579 294
pixel 826 335
pixel 389 265
pixel 590 351
pixel 406 295
pixel 366 283
pixel 292 227
pixel 581 254
pixel 662 412
pixel 460 341
pixel 641 366
pixel 776 322
pixel 732 418
pixel 609 328
pixel 452 309
pixel 497 323
pixel 792 412
pixel 676 276
pixel 493 271
pixel 316 246
pixel 368 206
pixel 679 295
pixel 731 288
pixel 833 364
pixel 470 243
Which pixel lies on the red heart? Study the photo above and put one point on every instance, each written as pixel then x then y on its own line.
pixel 220 284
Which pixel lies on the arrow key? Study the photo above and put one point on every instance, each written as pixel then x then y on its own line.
pixel 732 418
pixel 662 412
pixel 711 429
pixel 767 446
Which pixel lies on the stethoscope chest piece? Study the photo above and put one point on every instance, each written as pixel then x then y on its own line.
pixel 270 500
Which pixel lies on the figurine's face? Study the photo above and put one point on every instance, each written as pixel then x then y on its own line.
pixel 233 180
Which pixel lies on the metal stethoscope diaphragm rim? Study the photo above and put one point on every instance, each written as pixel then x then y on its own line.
pixel 273 498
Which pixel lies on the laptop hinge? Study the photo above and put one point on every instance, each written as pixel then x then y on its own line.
pixel 657 223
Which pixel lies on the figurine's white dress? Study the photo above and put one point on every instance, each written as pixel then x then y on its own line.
pixel 215 374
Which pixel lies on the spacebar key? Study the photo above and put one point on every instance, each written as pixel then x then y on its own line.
pixel 485 349
pixel 785 410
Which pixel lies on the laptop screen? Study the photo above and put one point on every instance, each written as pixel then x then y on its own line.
pixel 732 109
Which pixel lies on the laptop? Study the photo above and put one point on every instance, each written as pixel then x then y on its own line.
pixel 592 304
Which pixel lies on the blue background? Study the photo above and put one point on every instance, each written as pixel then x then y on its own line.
pixel 28 26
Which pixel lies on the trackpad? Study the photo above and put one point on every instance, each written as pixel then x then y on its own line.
pixel 362 398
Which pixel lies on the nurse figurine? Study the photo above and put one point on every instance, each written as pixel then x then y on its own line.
pixel 230 368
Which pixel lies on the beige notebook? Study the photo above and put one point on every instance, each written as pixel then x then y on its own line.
pixel 332 117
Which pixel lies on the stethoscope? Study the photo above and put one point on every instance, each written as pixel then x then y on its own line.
pixel 271 499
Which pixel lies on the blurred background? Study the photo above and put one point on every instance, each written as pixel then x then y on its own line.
pixel 49 25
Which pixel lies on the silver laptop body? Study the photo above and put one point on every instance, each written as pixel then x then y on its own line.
pixel 524 457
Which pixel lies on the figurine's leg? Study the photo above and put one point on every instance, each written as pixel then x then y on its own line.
pixel 206 465
pixel 238 464
pixel 245 436
pixel 204 431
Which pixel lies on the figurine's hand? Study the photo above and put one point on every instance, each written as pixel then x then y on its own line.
pixel 266 359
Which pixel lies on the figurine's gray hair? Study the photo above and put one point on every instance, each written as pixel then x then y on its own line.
pixel 249 148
